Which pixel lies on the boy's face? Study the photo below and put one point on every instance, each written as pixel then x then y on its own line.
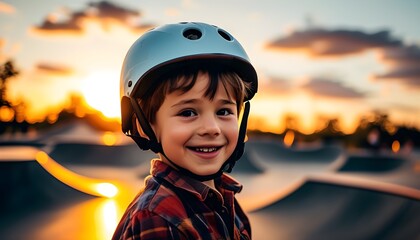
pixel 197 133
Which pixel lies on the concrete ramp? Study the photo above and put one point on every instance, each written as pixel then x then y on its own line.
pixel 27 185
pixel 362 163
pixel 321 209
pixel 276 152
pixel 246 164
pixel 30 179
pixel 128 155
pixel 381 167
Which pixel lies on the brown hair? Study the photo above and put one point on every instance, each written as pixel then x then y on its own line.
pixel 185 80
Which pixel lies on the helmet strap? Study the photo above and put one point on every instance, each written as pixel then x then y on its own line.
pixel 240 146
pixel 156 147
pixel 144 143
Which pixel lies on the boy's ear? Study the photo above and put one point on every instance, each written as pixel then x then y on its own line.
pixel 140 130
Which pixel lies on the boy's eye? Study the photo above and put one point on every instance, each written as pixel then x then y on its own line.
pixel 187 113
pixel 224 112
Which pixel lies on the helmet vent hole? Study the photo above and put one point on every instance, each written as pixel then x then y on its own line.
pixel 192 34
pixel 130 83
pixel 224 35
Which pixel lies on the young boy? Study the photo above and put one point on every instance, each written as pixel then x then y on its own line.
pixel 183 86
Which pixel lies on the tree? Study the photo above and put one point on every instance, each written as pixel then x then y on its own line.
pixel 17 122
pixel 7 71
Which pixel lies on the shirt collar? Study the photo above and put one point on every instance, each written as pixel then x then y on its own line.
pixel 162 170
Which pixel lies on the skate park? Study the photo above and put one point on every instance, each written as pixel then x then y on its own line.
pixel 289 193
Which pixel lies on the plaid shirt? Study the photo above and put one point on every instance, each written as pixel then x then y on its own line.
pixel 173 206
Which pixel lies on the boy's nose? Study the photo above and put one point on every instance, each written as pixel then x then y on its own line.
pixel 210 126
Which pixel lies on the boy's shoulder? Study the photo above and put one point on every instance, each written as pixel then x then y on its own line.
pixel 158 199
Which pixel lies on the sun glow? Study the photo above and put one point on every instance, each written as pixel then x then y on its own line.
pixel 107 217
pixel 101 91
pixel 289 138
pixel 107 189
pixel 109 138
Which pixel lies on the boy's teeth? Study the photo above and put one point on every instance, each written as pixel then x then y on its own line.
pixel 205 149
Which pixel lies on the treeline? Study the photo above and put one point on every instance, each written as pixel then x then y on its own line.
pixel 376 132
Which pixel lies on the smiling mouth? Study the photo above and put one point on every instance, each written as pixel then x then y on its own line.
pixel 204 149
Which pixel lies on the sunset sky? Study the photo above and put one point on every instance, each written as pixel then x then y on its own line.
pixel 336 59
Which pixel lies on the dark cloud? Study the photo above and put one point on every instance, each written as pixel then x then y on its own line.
pixel 410 77
pixel 403 61
pixel 404 65
pixel 408 73
pixel 329 88
pixel 54 69
pixel 51 26
pixel 106 9
pixel 103 12
pixel 402 55
pixel 322 43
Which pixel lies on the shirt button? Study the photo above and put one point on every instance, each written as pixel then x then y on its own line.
pixel 211 194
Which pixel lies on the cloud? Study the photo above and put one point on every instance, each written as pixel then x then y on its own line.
pixel 402 61
pixel 7 8
pixel 105 13
pixel 53 69
pixel 404 65
pixel 409 77
pixel 328 43
pixel 275 86
pixel 402 55
pixel 331 89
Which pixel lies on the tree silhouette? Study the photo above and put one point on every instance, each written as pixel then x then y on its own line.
pixel 18 121
pixel 7 71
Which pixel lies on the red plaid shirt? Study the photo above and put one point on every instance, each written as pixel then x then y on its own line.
pixel 173 206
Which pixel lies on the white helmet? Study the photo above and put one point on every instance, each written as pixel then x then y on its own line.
pixel 171 47
pixel 173 44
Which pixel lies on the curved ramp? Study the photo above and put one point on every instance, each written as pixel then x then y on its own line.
pixel 382 167
pixel 31 179
pixel 96 154
pixel 246 164
pixel 276 152
pixel 362 163
pixel 340 208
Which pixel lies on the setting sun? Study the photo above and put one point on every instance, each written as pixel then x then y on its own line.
pixel 101 91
